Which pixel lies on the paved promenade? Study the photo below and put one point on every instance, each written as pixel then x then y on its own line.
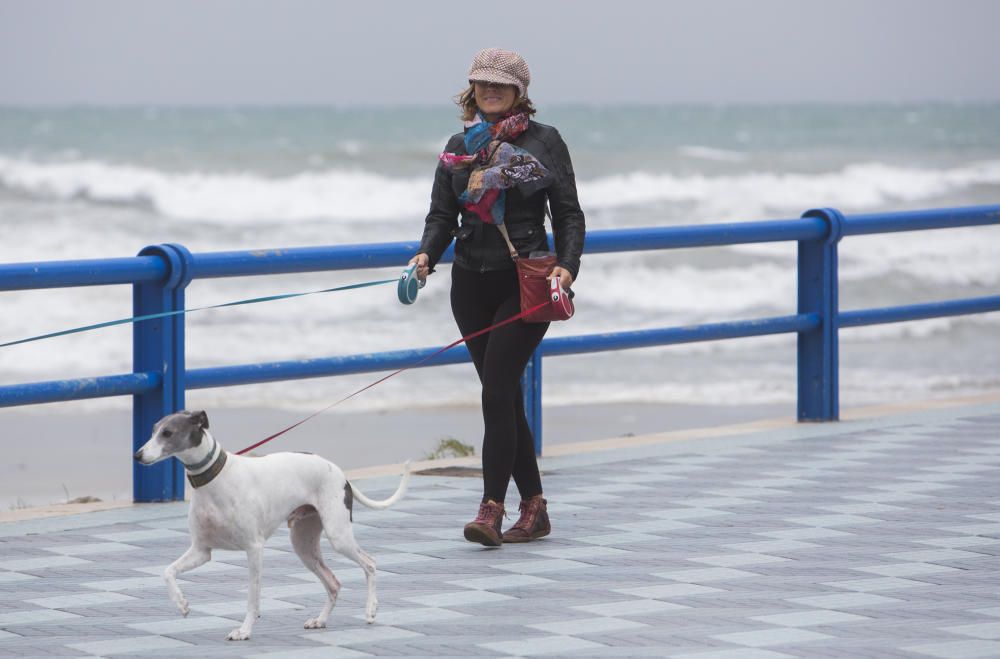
pixel 865 538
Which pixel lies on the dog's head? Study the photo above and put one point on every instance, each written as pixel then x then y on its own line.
pixel 173 434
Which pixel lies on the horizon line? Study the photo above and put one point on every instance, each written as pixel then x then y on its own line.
pixel 184 105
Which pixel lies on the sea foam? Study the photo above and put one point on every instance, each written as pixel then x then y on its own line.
pixel 857 186
pixel 227 197
pixel 341 194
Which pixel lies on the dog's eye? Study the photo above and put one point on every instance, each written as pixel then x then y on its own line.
pixel 166 433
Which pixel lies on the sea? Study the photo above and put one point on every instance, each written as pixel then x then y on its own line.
pixel 96 182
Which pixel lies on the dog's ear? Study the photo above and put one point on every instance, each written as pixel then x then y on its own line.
pixel 201 418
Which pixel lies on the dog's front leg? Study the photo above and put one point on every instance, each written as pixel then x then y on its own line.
pixel 254 565
pixel 189 560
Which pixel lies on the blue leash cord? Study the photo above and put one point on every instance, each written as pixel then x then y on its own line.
pixel 137 319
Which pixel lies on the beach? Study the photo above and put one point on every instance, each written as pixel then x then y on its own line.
pixel 54 455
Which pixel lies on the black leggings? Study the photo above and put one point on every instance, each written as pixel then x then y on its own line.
pixel 479 300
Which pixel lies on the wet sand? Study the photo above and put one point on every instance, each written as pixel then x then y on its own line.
pixel 54 455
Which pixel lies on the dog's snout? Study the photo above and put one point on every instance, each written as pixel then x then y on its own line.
pixel 137 456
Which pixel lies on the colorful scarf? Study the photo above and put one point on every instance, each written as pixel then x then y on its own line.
pixel 497 165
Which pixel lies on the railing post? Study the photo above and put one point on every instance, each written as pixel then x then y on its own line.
pixel 531 384
pixel 818 380
pixel 158 346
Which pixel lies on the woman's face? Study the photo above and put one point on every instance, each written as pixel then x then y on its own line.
pixel 494 99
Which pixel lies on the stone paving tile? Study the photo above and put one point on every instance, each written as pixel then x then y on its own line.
pixel 736 560
pixel 772 636
pixel 842 601
pixel 543 645
pixel 934 555
pixel 871 539
pixel 809 618
pixel 90 548
pixel 459 598
pixel 501 582
pixel 986 630
pixel 905 569
pixel 624 539
pixel 587 626
pixel 239 606
pixel 369 634
pixel 729 654
pixel 128 645
pixel 80 600
pixel 43 563
pixel 311 653
pixel 990 611
pixel 34 616
pixel 772 546
pixel 668 591
pixel 630 608
pixel 804 534
pixel 958 649
pixel 653 526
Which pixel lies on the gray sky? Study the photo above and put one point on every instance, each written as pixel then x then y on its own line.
pixel 417 52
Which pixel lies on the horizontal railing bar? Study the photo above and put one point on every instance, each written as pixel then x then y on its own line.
pixel 54 391
pixel 288 260
pixel 570 345
pixel 862 317
pixel 98 272
pixel 705 235
pixel 379 255
pixel 938 218
pixel 89 272
pixel 221 376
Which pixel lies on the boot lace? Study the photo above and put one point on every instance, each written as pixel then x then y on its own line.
pixel 529 511
pixel 488 513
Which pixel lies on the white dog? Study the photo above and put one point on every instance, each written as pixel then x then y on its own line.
pixel 237 503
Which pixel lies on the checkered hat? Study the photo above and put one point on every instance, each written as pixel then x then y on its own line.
pixel 501 66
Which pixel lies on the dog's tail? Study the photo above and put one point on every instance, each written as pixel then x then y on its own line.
pixel 397 495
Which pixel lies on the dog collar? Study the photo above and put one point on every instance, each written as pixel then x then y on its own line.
pixel 208 457
pixel 207 476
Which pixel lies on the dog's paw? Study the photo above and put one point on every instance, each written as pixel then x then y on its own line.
pixel 183 607
pixel 238 635
pixel 315 623
pixel 370 612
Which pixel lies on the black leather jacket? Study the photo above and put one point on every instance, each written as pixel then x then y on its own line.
pixel 480 246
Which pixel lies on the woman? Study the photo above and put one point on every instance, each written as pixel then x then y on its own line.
pixel 502 170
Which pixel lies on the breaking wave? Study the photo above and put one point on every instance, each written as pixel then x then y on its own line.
pixel 357 194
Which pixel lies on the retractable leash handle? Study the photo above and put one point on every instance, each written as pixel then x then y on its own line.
pixel 561 298
pixel 409 284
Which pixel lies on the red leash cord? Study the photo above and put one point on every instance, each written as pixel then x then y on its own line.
pixel 383 379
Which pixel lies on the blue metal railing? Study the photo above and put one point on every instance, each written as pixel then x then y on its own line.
pixel 160 274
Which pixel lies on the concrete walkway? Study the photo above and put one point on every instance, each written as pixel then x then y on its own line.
pixel 864 538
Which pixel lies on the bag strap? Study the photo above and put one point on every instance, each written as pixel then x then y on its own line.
pixel 506 236
pixel 503 232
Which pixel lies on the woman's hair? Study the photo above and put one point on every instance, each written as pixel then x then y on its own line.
pixel 467 101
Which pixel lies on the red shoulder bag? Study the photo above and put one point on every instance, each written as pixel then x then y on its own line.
pixel 537 287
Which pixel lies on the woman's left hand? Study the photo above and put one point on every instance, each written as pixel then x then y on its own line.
pixel 565 278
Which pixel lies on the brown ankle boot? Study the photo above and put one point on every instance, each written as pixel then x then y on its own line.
pixel 485 529
pixel 533 523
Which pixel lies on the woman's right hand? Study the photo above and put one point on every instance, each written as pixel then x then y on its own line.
pixel 423 265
